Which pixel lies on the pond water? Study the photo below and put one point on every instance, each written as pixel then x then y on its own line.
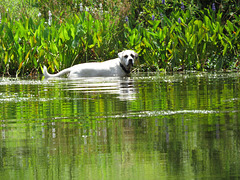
pixel 147 126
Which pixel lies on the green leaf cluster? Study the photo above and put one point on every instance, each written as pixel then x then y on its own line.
pixel 26 45
pixel 183 41
pixel 166 36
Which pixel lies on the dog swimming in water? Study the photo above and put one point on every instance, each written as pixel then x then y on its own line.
pixel 120 66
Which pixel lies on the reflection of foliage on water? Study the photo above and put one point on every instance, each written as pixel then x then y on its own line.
pixel 177 123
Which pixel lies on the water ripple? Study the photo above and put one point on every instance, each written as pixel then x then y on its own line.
pixel 168 113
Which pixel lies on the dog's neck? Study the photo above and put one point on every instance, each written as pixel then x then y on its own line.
pixel 124 69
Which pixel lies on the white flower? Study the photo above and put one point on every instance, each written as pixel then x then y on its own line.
pixel 50 18
pixel 81 7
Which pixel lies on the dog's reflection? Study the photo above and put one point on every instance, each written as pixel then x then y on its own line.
pixel 123 87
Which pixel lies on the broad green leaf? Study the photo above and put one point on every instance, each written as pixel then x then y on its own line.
pixel 229 27
pixel 193 41
pixel 147 43
pixel 63 34
pixel 156 24
pixel 6 58
pixel 91 46
pixel 35 62
pixel 208 23
pixel 27 56
pixel 198 23
pixel 204 48
pixel 20 66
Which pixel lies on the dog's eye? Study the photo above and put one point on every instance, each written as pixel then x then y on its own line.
pixel 132 56
pixel 126 56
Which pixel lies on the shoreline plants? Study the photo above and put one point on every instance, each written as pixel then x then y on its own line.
pixel 168 35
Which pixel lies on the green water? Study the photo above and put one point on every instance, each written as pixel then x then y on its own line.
pixel 148 126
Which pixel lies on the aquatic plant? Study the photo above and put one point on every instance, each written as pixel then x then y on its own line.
pixel 179 20
pixel 167 36
pixel 189 42
pixel 153 17
pixel 182 6
pixel 213 7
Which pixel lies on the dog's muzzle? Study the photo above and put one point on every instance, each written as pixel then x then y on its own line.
pixel 130 62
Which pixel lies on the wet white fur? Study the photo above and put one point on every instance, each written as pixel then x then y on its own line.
pixel 99 69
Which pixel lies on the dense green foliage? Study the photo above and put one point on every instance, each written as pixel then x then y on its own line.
pixel 171 35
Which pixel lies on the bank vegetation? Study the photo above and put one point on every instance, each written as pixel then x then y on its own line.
pixel 169 35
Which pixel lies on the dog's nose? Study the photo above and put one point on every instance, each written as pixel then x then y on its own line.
pixel 130 62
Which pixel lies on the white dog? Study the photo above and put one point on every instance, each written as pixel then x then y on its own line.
pixel 120 66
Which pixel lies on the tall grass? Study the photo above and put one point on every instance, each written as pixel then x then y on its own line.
pixel 171 35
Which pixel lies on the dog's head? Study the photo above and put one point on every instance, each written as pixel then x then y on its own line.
pixel 127 58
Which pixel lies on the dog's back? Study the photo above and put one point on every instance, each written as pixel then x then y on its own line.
pixel 120 66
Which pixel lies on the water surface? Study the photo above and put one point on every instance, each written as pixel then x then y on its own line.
pixel 148 126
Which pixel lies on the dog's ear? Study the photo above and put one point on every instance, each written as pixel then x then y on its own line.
pixel 136 55
pixel 120 55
